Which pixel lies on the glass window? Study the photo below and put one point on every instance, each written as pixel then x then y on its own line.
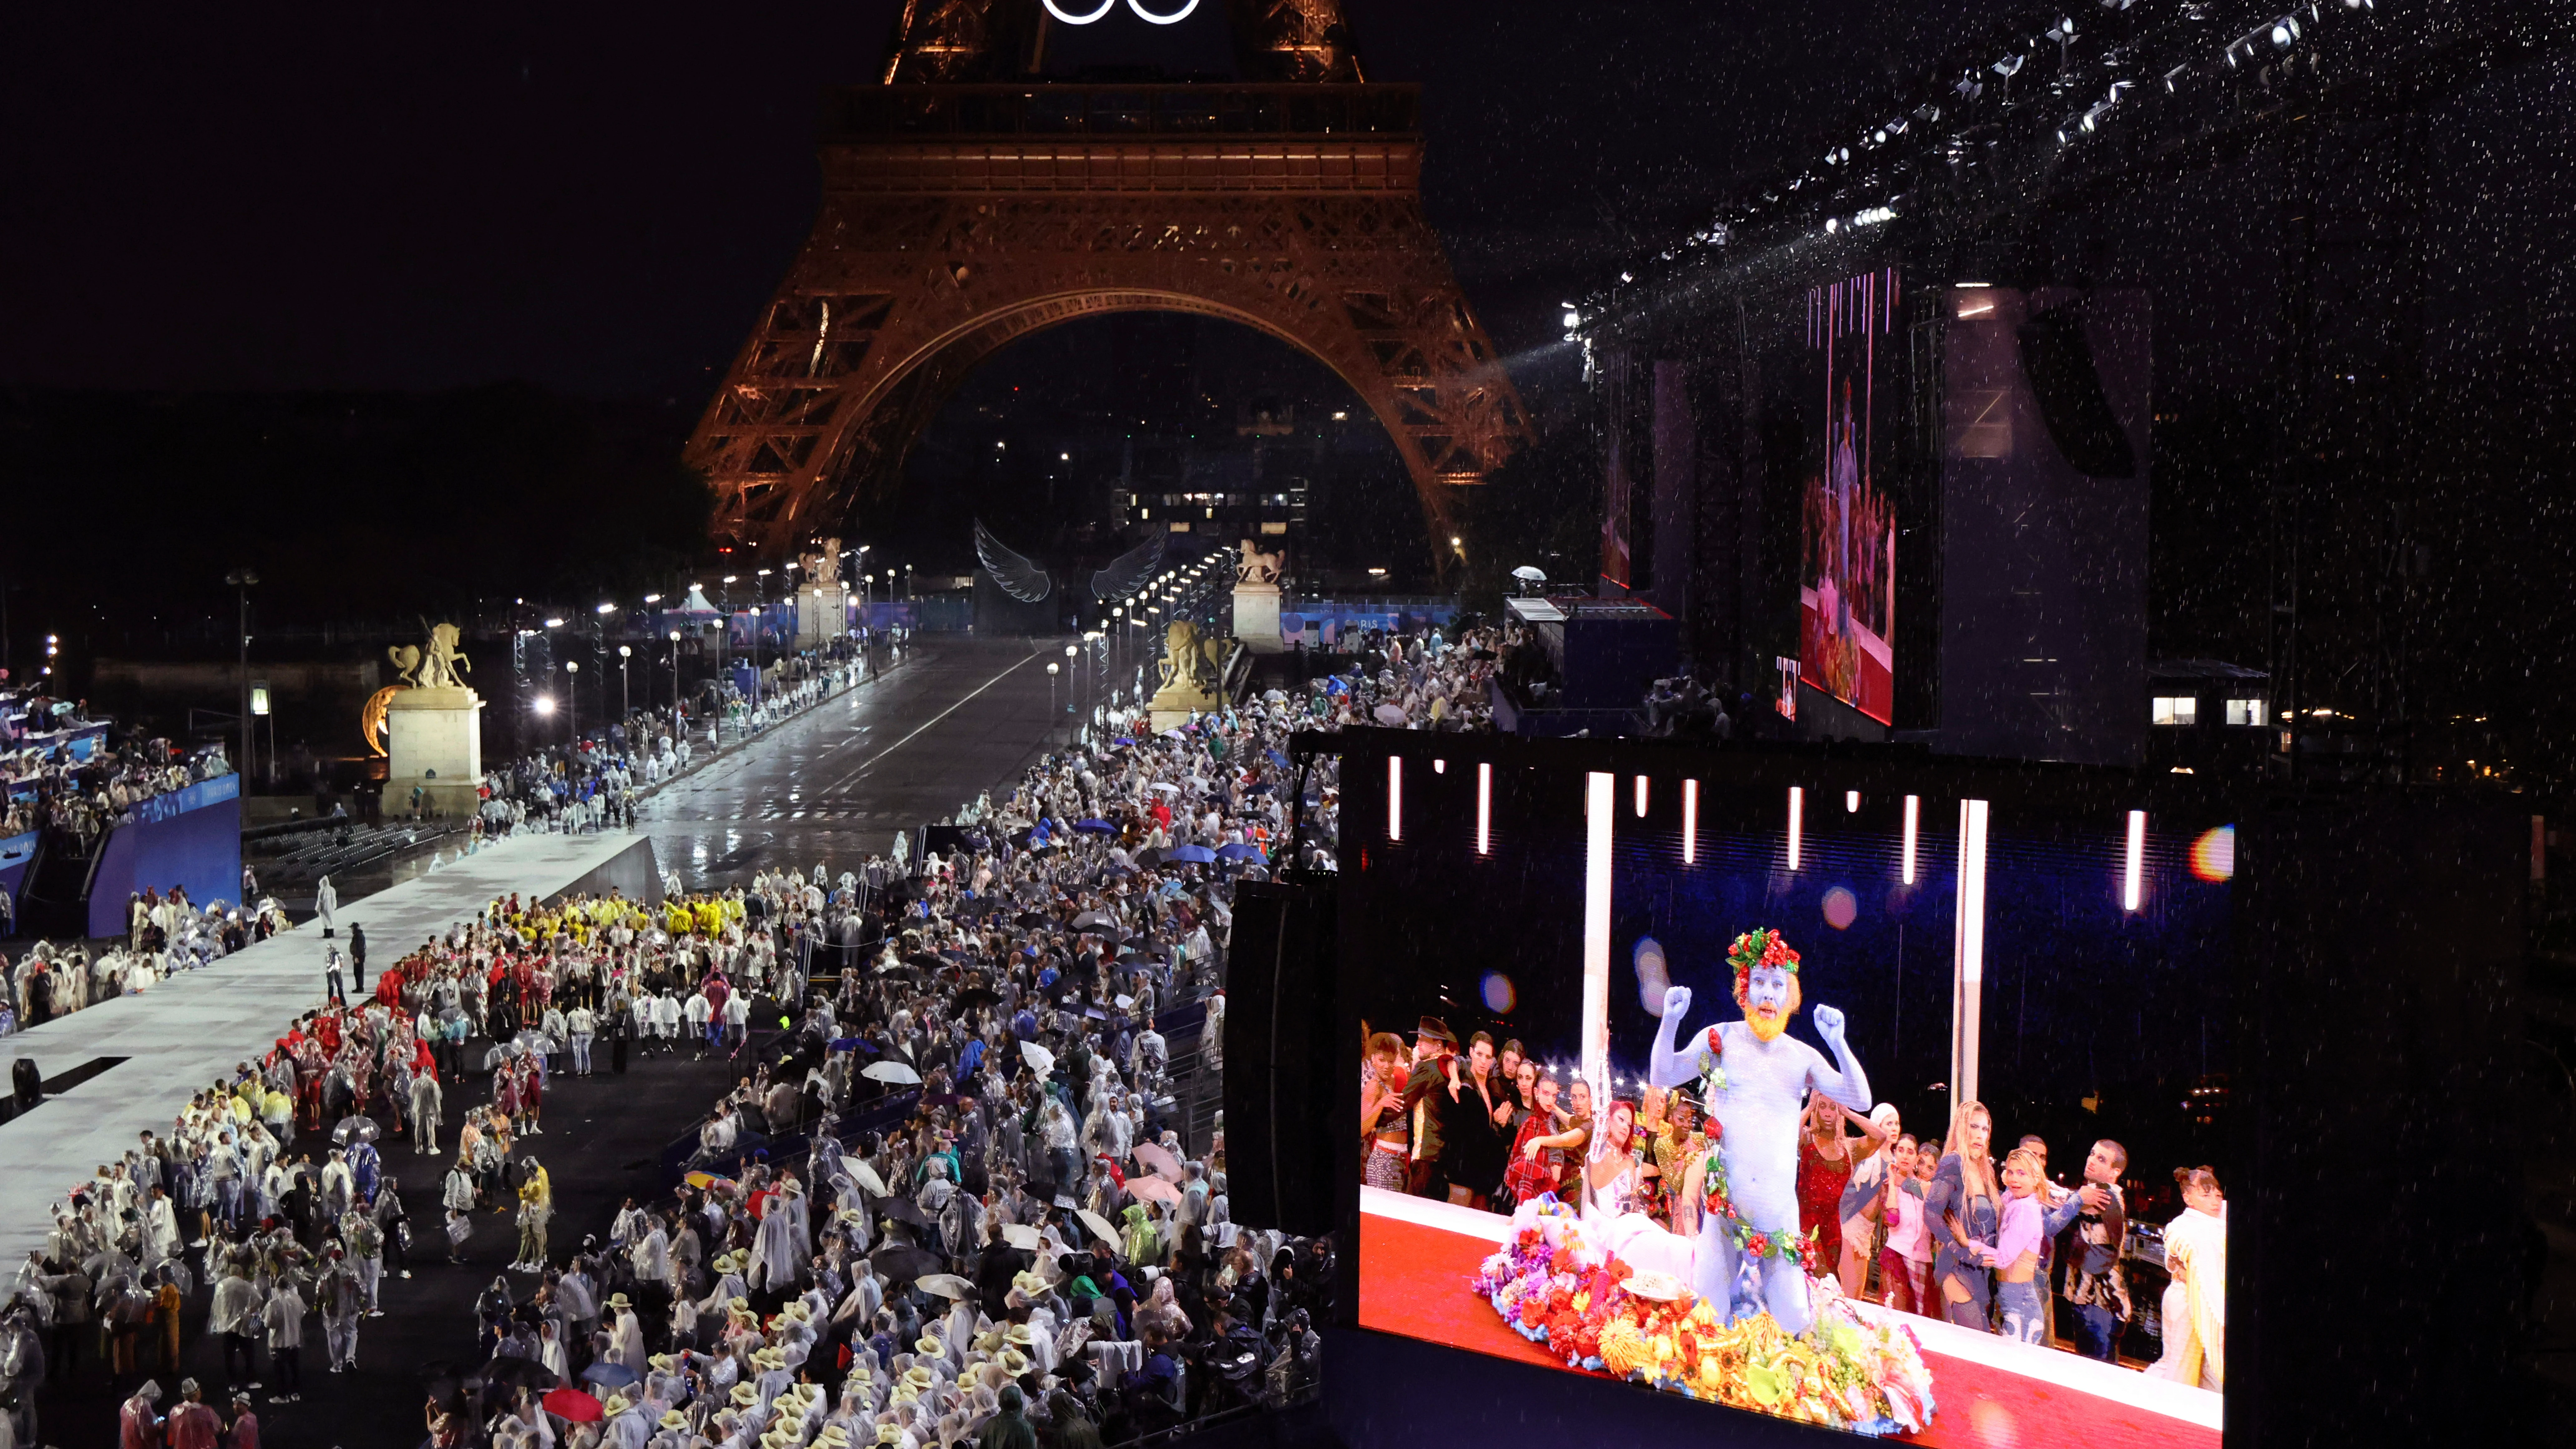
pixel 2178 709
pixel 2245 711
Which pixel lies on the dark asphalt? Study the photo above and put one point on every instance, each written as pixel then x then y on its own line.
pixel 957 716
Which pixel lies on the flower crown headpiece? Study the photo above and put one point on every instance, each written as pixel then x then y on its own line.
pixel 1761 946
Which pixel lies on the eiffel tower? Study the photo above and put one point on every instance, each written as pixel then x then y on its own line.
pixel 968 202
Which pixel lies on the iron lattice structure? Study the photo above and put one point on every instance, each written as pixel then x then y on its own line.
pixel 963 209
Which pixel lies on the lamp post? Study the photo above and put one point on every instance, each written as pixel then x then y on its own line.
pixel 677 725
pixel 242 580
pixel 1052 669
pixel 572 699
pixel 625 698
pixel 759 608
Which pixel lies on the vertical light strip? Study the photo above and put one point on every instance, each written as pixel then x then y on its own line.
pixel 1913 818
pixel 1797 823
pixel 1484 808
pixel 2129 879
pixel 1641 797
pixel 1600 803
pixel 1851 802
pixel 1440 767
pixel 1690 821
pixel 1395 797
pixel 1968 953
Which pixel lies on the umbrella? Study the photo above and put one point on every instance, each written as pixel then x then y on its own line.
pixel 1390 714
pixel 865 1176
pixel 974 996
pixel 609 1375
pixel 1040 1060
pixel 894 1072
pixel 1527 574
pixel 904 1210
pixel 946 1285
pixel 1277 758
pixel 1150 855
pixel 901 1263
pixel 1153 1189
pixel 1031 920
pixel 1098 1225
pixel 572 1405
pixel 1159 1161
pixel 1194 854
pixel 1095 827
pixel 354 1129
pixel 512 1369
pixel 1166 786
pixel 1094 921
pixel 1239 850
pixel 1022 1236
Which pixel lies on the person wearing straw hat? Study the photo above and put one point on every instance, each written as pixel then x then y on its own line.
pixel 626 1335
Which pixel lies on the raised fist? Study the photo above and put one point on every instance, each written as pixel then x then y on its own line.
pixel 1829 1025
pixel 1677 1000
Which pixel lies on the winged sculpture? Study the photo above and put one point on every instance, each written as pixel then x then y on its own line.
pixel 1027 580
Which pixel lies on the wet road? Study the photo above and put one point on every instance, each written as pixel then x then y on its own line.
pixel 959 715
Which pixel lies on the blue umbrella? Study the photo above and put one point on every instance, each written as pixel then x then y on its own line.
pixel 1277 758
pixel 1238 851
pixel 1195 854
pixel 1095 827
pixel 609 1375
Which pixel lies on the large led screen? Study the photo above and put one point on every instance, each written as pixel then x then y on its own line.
pixel 1847 571
pixel 1856 1098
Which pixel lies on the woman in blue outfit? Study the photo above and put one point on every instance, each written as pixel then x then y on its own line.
pixel 1964 1210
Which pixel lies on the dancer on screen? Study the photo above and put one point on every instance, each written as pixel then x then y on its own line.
pixel 1753 1081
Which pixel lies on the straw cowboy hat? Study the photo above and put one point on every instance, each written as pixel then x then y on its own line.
pixel 1022 1335
pixel 745 1394
pixel 930 1347
pixel 1014 1362
pixel 673 1419
pixel 619 1300
pixel 919 1377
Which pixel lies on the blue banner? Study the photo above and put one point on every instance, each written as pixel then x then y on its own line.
pixel 195 797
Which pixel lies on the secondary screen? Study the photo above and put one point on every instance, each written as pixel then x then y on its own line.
pixel 1893 1111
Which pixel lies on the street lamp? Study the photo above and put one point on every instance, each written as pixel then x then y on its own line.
pixel 625 701
pixel 572 699
pixel 1052 668
pixel 242 581
pixel 675 682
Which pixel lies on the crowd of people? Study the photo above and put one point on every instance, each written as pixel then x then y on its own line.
pixel 50 787
pixel 961 1188
pixel 1933 1226
pixel 1413 681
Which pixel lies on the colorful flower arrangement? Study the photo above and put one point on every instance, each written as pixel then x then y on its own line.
pixel 1843 1373
pixel 1761 946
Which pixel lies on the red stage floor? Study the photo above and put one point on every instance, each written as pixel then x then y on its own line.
pixel 1413 1282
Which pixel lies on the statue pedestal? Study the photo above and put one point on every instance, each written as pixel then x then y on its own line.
pixel 1173 705
pixel 822 615
pixel 435 740
pixel 1256 617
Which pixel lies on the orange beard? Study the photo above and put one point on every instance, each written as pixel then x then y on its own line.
pixel 1767 1021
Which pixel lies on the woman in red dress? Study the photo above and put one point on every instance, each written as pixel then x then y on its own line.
pixel 1824 1170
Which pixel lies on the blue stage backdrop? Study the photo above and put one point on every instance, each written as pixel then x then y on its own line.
pixel 189 838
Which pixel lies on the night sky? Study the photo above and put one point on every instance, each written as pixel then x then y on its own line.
pixel 598 198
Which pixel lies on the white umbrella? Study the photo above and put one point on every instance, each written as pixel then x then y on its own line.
pixel 1098 1225
pixel 946 1285
pixel 1529 574
pixel 1040 1060
pixel 1392 714
pixel 1166 786
pixel 1022 1236
pixel 894 1072
pixel 866 1177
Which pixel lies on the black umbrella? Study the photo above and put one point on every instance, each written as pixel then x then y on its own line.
pixel 973 997
pixel 904 1210
pixel 1032 920
pixel 516 1372
pixel 902 1262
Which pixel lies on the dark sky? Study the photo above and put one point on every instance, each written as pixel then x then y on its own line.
pixel 599 197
